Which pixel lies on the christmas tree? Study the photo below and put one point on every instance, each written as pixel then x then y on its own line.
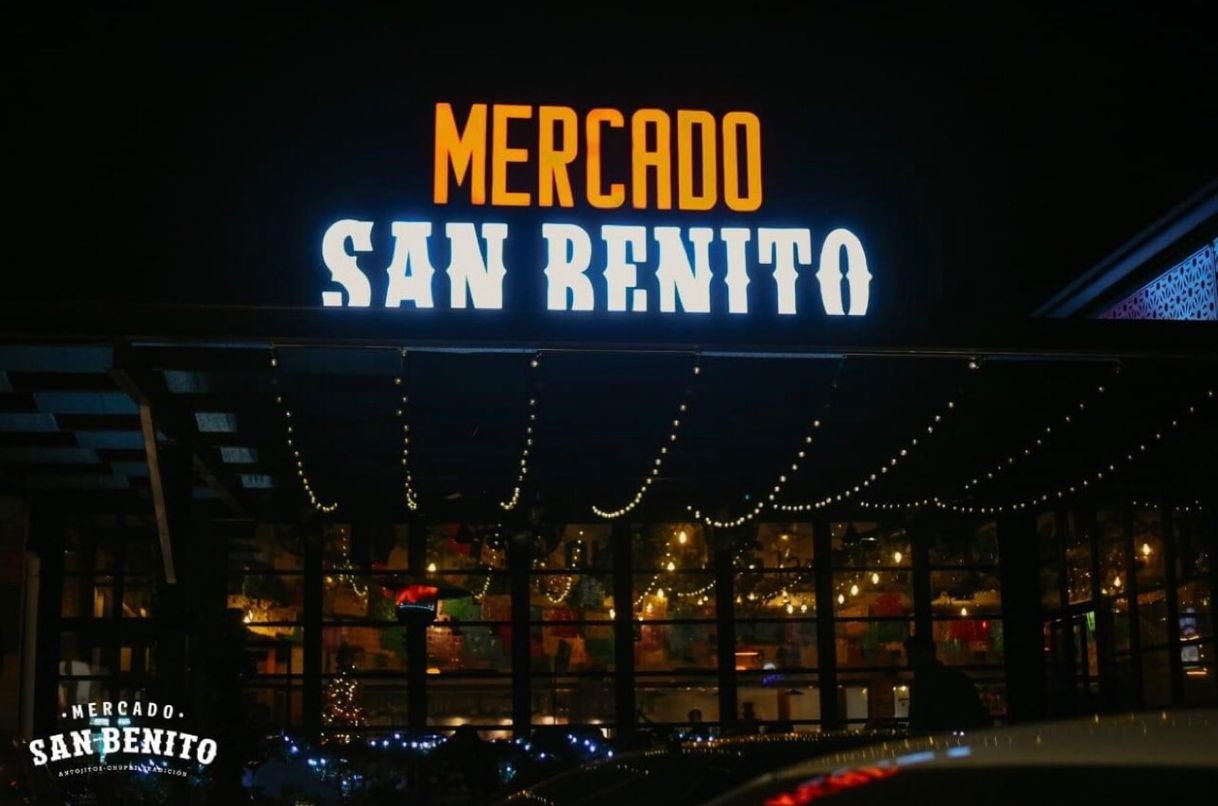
pixel 342 712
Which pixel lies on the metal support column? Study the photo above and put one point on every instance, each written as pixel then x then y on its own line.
pixel 826 631
pixel 416 636
pixel 623 632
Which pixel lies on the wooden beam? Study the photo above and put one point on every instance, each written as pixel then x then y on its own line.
pixel 125 383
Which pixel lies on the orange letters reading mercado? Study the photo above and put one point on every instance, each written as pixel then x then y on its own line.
pixel 719 148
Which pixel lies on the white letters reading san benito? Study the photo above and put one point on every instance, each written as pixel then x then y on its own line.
pixel 691 270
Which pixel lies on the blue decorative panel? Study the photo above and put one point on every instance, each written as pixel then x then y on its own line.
pixel 28 423
pixel 256 481
pixel 236 455
pixel 56 359
pixel 1186 292
pixel 216 422
pixel 85 403
pixel 186 383
pixel 132 470
pixel 48 454
pixel 116 440
pixel 90 482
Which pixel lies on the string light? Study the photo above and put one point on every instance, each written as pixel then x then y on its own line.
pixel 654 472
pixel 566 591
pixel 1192 506
pixel 936 420
pixel 486 586
pixel 293 446
pixel 1044 433
pixel 1130 457
pixel 344 568
pixel 525 449
pixel 776 488
pixel 412 500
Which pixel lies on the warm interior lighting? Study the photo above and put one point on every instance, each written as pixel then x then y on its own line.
pixel 682 537
pixel 875 578
pixel 854 590
pixel 897 557
pixel 1145 549
pixel 431 568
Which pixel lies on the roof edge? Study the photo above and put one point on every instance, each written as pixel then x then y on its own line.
pixel 1133 254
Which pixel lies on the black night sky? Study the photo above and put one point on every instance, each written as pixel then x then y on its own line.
pixel 985 160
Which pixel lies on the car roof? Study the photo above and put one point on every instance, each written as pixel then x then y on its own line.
pixel 1160 738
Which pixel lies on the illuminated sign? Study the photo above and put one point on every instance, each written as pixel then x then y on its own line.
pixel 690 161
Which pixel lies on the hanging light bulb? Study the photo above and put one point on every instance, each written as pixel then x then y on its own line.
pixel 612 614
pixel 854 590
pixel 841 598
pixel 682 537
pixel 1145 549
pixel 964 611
pixel 875 578
pixel 671 566
pixel 897 557
pixel 431 568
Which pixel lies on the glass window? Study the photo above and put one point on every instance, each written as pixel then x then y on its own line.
pixel 676 699
pixel 879 643
pixel 1148 556
pixel 965 593
pixel 675 647
pixel 574 647
pixel 776 644
pixel 267 547
pixel 455 701
pixel 1193 554
pixel 879 699
pixel 274 704
pixel 968 641
pixel 870 545
pixel 582 700
pixel 267 597
pixel 1078 561
pixel 456 547
pixel 1198 660
pixel 1114 565
pixel 961 544
pixel 872 593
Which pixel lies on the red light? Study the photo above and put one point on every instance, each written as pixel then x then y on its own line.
pixel 413 594
pixel 827 785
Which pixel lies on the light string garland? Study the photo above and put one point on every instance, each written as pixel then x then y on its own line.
pixel 1072 415
pixel 410 497
pixel 776 489
pixel 936 420
pixel 670 566
pixel 1130 457
pixel 566 591
pixel 344 569
pixel 514 498
pixel 294 447
pixel 1192 506
pixel 654 472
